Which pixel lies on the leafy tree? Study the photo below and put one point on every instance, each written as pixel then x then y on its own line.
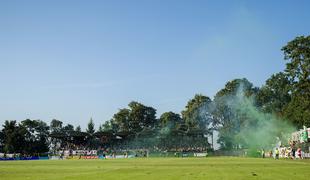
pixel 141 117
pixel 133 119
pixel 170 125
pixel 197 113
pixel 170 120
pixel 137 121
pixel 68 128
pixel 107 126
pixel 122 119
pixel 297 53
pixel 36 136
pixel 13 137
pixel 298 110
pixel 198 118
pixel 229 120
pixel 58 135
pixel 275 94
pixel 56 125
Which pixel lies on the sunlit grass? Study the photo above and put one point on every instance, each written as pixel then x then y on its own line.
pixel 156 168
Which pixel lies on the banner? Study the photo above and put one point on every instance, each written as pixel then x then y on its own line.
pixel 200 154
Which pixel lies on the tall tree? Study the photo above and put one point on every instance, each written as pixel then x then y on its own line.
pixel 14 137
pixel 36 136
pixel 297 53
pixel 275 94
pixel 58 137
pixel 90 127
pixel 228 119
pixel 107 126
pixel 68 128
pixel 170 120
pixel 141 117
pixel 122 119
pixel 170 129
pixel 197 112
pixel 56 125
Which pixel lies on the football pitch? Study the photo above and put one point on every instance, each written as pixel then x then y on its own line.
pixel 156 168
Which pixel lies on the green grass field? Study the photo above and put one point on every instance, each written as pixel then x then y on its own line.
pixel 156 168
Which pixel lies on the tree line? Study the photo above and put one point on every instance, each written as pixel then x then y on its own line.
pixel 285 94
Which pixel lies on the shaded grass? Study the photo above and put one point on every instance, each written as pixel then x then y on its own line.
pixel 156 168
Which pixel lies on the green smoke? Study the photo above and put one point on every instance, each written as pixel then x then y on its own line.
pixel 257 130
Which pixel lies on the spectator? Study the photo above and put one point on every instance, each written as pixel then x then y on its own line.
pixel 299 153
pixel 277 153
pixel 263 153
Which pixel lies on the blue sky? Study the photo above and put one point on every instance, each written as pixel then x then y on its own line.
pixel 72 60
